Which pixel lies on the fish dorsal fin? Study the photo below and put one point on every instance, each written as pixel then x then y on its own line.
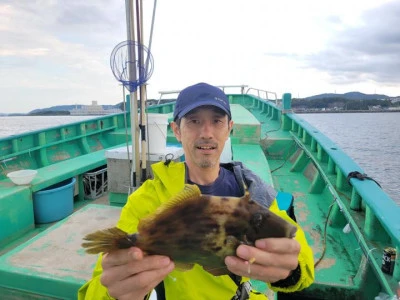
pixel 189 192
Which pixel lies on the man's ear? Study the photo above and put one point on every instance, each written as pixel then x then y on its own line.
pixel 176 130
pixel 230 126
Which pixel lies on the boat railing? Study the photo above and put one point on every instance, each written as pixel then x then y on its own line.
pixel 242 88
pixel 264 94
pixel 381 221
pixel 44 147
pixel 369 211
pixel 164 93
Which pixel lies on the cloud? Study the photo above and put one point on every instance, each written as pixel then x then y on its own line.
pixel 57 52
pixel 369 51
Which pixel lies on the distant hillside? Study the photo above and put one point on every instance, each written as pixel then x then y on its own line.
pixel 350 96
pixel 55 108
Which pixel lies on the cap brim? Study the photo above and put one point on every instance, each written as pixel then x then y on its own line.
pixel 203 103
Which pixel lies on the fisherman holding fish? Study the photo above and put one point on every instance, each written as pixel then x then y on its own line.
pixel 201 229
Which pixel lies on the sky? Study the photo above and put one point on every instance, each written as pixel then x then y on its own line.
pixel 58 52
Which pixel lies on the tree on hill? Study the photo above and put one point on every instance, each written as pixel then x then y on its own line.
pixel 339 103
pixel 50 113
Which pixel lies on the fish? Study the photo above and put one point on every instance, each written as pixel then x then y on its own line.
pixel 192 228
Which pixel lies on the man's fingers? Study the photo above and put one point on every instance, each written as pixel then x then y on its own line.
pixel 271 260
pixel 144 281
pixel 261 257
pixel 279 245
pixel 260 272
pixel 132 267
pixel 121 257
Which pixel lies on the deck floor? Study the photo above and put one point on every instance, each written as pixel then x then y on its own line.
pixel 53 262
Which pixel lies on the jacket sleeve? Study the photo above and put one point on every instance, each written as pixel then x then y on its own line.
pixel 144 200
pixel 93 289
pixel 306 259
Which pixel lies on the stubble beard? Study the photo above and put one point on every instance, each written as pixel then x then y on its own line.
pixel 206 163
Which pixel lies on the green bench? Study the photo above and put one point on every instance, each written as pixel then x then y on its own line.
pixel 246 127
pixel 253 158
pixel 16 202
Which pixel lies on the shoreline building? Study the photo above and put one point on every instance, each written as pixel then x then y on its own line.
pixel 93 110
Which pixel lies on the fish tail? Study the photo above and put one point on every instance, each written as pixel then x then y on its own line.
pixel 108 240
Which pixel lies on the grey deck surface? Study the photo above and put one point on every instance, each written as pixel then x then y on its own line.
pixel 56 255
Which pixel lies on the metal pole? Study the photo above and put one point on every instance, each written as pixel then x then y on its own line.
pixel 143 121
pixel 133 95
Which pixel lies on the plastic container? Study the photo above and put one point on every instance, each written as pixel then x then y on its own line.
pixel 22 177
pixel 157 132
pixel 55 202
pixel 95 183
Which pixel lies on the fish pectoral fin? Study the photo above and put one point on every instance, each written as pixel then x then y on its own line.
pixel 216 271
pixel 232 242
pixel 183 267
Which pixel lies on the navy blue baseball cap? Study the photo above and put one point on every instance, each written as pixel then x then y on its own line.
pixel 200 94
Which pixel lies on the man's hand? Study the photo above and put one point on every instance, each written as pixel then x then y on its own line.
pixel 129 274
pixel 270 260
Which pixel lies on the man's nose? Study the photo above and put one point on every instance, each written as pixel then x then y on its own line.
pixel 206 130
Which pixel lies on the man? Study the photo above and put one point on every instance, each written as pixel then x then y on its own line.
pixel 202 124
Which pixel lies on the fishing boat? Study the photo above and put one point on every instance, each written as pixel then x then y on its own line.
pixel 349 220
pixel 60 183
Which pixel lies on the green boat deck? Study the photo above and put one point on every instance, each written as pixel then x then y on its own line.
pixel 285 152
pixel 53 263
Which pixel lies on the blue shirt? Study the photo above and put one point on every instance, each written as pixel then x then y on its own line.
pixel 224 185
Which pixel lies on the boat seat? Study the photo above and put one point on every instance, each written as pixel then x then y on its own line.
pixel 19 218
pixel 66 169
pixel 246 128
pixel 254 159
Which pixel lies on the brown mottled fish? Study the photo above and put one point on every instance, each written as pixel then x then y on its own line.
pixel 194 228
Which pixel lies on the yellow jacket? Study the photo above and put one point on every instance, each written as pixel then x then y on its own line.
pixel 195 283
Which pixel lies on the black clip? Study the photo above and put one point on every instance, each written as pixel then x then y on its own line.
pixel 168 158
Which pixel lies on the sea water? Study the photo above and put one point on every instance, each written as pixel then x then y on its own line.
pixel 371 139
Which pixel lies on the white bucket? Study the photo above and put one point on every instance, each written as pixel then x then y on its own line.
pixel 157 132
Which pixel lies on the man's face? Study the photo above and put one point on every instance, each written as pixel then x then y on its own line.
pixel 203 133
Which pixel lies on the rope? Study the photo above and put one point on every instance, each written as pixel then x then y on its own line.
pixel 358 175
pixel 324 242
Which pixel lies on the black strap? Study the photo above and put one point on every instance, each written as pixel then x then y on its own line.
pixel 160 290
pixel 358 175
pixel 289 281
pixel 243 289
pixel 236 278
